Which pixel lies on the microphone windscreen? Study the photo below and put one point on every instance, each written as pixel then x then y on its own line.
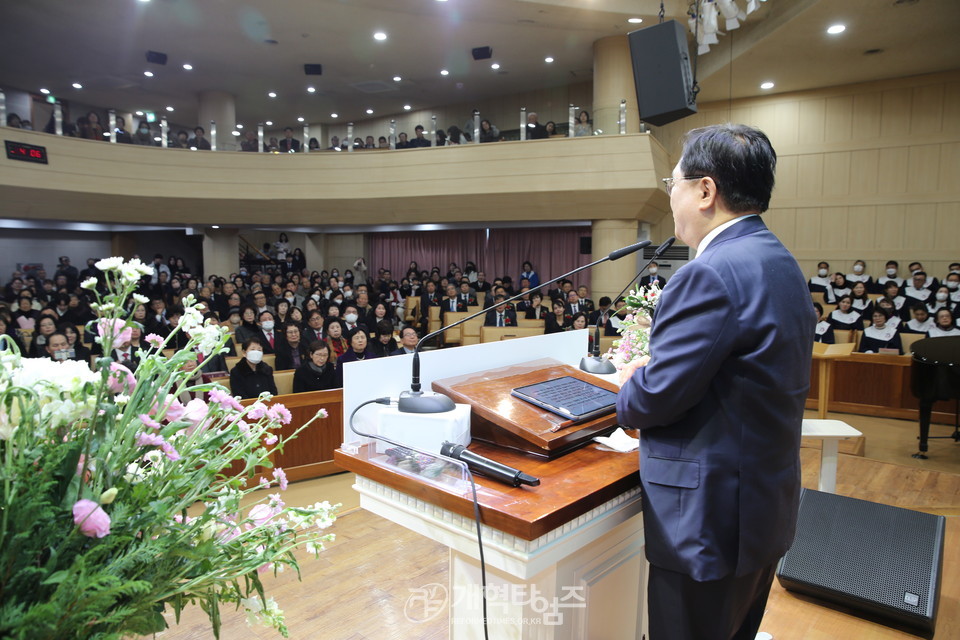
pixel 625 251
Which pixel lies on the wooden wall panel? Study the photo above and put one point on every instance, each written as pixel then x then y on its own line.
pixel 888 229
pixel 947 233
pixel 864 172
pixel 861 228
pixel 920 227
pixel 810 176
pixel 808 230
pixel 895 114
pixel 892 171
pixel 839 118
pixel 833 230
pixel 812 121
pixel 867 109
pixel 836 174
pixel 926 109
pixel 951 108
pixel 923 169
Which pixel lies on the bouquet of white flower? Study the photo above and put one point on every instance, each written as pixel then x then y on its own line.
pixel 98 470
pixel 635 327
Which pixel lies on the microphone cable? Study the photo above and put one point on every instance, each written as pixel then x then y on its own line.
pixel 473 488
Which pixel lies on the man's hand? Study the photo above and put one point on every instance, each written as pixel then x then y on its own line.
pixel 627 372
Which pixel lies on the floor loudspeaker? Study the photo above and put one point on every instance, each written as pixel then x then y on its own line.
pixel 875 558
pixel 661 72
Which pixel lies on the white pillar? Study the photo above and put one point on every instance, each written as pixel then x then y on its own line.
pixel 220 107
pixel 221 251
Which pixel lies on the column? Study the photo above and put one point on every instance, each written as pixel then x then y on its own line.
pixel 221 251
pixel 123 244
pixel 613 82
pixel 608 278
pixel 220 107
pixel 315 251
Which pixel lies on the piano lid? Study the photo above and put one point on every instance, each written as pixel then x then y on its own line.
pixel 937 351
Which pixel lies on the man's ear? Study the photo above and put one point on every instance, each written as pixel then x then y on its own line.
pixel 708 193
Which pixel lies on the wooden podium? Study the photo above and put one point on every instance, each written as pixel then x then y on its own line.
pixel 506 421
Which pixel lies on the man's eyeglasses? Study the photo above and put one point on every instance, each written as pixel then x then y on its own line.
pixel 668 182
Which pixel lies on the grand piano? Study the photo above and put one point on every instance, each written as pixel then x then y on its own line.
pixel 935 375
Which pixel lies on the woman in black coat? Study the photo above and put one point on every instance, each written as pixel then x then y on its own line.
pixel 251 376
pixel 317 373
pixel 291 352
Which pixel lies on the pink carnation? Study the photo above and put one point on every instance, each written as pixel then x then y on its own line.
pixel 225 400
pixel 150 440
pixel 154 340
pixel 281 413
pixel 174 411
pixel 281 477
pixel 257 411
pixel 148 421
pixel 92 520
pixel 195 413
pixel 260 514
pixel 120 333
pixel 323 413
pixel 270 440
pixel 169 451
pixel 120 380
pixel 264 483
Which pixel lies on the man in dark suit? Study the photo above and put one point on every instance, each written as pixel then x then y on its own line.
pixel 466 295
pixel 719 403
pixel 289 143
pixel 451 303
pixel 501 315
pixel 653 277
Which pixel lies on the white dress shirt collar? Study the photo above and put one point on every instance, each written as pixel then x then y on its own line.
pixel 707 239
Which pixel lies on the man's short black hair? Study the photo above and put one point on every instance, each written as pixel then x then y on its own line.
pixel 741 161
pixel 288 128
pixel 419 127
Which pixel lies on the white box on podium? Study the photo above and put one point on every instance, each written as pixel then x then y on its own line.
pixel 426 431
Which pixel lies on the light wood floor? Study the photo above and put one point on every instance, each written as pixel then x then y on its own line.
pixel 358 589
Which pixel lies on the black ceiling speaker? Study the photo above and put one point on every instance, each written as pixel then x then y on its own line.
pixel 313 69
pixel 661 72
pixel 482 53
pixel 881 560
pixel 156 57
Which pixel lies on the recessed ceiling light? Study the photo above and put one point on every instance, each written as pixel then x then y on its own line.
pixel 369 112
pixel 407 107
pixel 157 138
pixel 300 119
pixel 334 115
pixel 548 59
pixel 77 85
pixel 234 132
pixel 239 126
pixel 397 78
pixel 45 92
pixel 443 72
pixel 187 66
pixel 272 94
pixel 836 28
pixel 169 108
pixel 144 0
pixel 269 123
pixel 311 89
pixel 139 113
pixel 766 85
pixel 380 35
pixel 495 65
pixel 149 74
pixel 215 226
pixel 634 20
pixel 106 134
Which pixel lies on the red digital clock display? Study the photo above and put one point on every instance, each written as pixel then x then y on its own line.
pixel 26 152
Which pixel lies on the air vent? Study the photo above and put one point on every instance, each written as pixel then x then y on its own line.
pixel 482 53
pixel 313 69
pixel 155 57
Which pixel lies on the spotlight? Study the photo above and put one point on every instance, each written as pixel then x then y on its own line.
pixel 380 35
pixel 77 85
pixel 548 59
pixel 835 29
pixel 187 66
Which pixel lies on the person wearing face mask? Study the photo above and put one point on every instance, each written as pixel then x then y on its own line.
pixel 268 336
pixel 890 275
pixel 845 317
pixel 859 274
pixel 939 300
pixel 144 136
pixel 820 283
pixel 823 332
pixel 653 276
pixel 880 334
pixel 351 320
pixel 952 282
pixel 251 376
pixel 317 373
pixel 944 325
pixel 58 349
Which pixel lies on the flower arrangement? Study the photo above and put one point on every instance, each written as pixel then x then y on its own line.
pixel 99 469
pixel 634 329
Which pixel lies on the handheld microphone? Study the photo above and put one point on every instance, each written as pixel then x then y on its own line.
pixel 594 363
pixel 487 467
pixel 414 401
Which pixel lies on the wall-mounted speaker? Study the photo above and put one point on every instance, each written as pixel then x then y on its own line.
pixel 661 72
pixel 586 245
pixel 871 557
pixel 313 69
pixel 155 57
pixel 482 53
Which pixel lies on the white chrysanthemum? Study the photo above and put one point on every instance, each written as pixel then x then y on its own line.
pixel 89 283
pixel 209 337
pixel 142 299
pixel 67 376
pixel 140 267
pixel 191 319
pixel 110 264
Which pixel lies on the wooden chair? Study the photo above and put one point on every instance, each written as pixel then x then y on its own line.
pixel 454 335
pixel 481 296
pixel 817 296
pixel 606 343
pixel 470 331
pixel 495 334
pixel 433 319
pixel 539 324
pixel 411 309
pixel 270 359
pixel 232 361
pixel 845 336
pixel 284 381
pixel 828 309
pixel 908 339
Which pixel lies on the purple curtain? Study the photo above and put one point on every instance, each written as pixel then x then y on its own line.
pixel 496 252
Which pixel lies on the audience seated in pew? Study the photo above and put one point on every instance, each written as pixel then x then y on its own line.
pixel 251 376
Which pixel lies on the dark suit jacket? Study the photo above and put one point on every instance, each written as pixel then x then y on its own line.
pixel 720 406
pixel 288 144
pixel 509 318
pixel 647 279
pixel 445 306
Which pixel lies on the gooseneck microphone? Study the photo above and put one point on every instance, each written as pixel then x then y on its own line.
pixel 414 401
pixel 594 363
pixel 487 467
